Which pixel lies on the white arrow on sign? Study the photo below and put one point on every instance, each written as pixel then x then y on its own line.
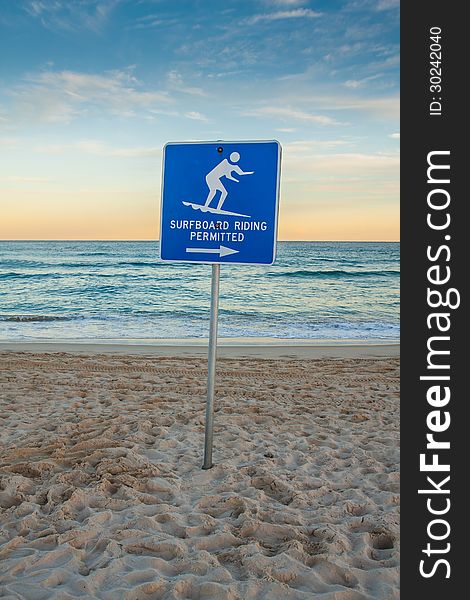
pixel 222 251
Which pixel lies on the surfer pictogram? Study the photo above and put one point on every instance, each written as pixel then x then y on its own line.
pixel 223 169
pixel 214 183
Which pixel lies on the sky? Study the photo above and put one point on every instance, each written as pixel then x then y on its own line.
pixel 91 90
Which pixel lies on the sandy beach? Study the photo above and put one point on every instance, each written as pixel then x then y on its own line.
pixel 102 493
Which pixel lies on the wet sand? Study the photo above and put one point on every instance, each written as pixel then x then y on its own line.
pixel 227 347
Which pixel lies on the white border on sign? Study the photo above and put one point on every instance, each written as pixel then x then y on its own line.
pixel 276 214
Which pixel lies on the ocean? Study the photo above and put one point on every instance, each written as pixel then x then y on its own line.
pixel 84 290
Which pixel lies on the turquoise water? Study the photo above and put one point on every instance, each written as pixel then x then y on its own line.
pixel 120 290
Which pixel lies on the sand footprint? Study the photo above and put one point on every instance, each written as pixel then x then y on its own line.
pixel 382 545
pixel 170 524
pixel 167 550
pixel 221 506
pixel 274 488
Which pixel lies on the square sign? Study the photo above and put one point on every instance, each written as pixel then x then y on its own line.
pixel 220 202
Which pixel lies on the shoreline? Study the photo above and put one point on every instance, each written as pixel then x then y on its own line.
pixel 227 347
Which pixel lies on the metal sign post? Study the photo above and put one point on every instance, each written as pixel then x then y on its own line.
pixel 211 367
pixel 219 205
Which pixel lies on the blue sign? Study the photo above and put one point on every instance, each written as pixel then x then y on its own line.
pixel 220 202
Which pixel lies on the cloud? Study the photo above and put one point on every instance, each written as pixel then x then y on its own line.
pixel 155 20
pixel 303 161
pixel 305 146
pixel 394 136
pixel 177 83
pixel 287 113
pixel 9 142
pixel 387 4
pixel 99 148
pixel 384 107
pixel 285 2
pixel 71 15
pixel 196 116
pixel 4 120
pixel 357 83
pixel 296 13
pixel 61 96
pixel 389 62
pixel 375 5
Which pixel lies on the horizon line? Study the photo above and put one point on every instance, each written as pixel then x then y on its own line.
pixel 155 240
